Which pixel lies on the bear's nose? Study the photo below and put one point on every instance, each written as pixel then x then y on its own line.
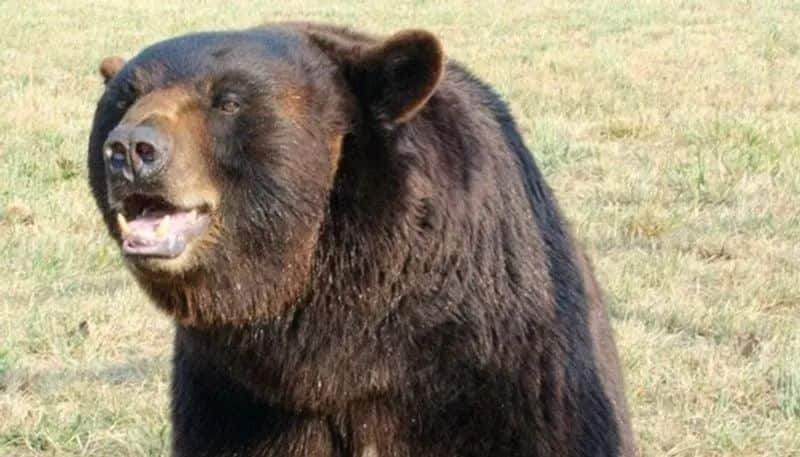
pixel 136 152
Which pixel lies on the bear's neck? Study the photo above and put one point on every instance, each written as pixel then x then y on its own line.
pixel 339 340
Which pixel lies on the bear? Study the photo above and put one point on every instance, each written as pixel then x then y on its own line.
pixel 358 251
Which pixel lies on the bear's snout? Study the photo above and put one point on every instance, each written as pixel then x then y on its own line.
pixel 136 152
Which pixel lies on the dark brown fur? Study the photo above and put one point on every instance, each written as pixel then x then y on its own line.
pixel 389 274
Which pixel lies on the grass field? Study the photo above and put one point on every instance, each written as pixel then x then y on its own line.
pixel 670 131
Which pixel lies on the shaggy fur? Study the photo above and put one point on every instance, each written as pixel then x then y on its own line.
pixel 387 273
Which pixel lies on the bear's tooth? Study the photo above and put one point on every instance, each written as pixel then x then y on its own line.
pixel 193 215
pixel 124 228
pixel 163 228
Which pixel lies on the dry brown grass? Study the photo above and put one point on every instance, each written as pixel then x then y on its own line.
pixel 669 129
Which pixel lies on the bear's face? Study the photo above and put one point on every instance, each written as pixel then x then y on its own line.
pixel 215 154
pixel 209 140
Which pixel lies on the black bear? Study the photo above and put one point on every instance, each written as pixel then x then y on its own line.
pixel 359 252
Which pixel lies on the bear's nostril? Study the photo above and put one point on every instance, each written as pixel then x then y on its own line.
pixel 145 151
pixel 117 153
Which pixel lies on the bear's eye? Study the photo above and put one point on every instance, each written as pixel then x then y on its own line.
pixel 228 105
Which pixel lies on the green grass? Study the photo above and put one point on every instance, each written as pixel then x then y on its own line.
pixel 669 130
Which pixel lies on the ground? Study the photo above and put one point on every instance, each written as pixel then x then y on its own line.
pixel 670 132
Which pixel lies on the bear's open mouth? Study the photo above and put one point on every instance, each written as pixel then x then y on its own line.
pixel 152 227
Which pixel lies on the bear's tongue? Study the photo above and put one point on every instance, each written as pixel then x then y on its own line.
pixel 160 234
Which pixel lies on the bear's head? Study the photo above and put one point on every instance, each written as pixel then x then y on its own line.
pixel 213 156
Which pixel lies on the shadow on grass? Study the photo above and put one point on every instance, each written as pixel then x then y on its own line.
pixel 71 287
pixel 134 372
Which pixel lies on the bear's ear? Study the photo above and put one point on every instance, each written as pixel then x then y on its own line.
pixel 396 77
pixel 110 66
pixel 393 78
